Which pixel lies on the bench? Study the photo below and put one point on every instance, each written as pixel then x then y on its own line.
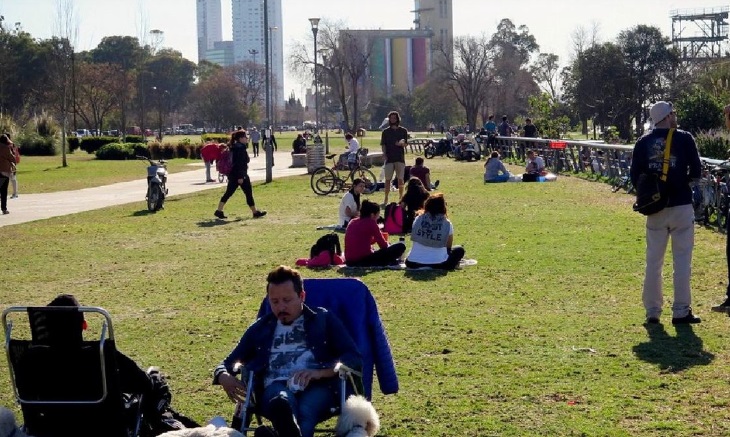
pixel 374 158
pixel 299 160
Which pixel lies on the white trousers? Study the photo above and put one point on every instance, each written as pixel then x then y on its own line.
pixel 677 222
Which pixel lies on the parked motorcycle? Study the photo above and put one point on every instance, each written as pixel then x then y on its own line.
pixel 466 150
pixel 156 179
pixel 441 148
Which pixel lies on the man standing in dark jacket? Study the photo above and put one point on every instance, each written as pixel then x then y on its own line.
pixel 293 351
pixel 677 219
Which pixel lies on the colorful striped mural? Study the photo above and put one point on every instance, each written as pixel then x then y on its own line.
pixel 399 59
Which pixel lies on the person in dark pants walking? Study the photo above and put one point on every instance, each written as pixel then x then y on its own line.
pixel 255 140
pixel 239 175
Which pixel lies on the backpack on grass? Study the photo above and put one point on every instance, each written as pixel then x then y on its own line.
pixel 327 243
pixel 393 222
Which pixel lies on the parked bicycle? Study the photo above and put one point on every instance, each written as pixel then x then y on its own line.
pixel 156 180
pixel 326 180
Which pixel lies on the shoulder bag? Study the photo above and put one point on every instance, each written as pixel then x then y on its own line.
pixel 651 190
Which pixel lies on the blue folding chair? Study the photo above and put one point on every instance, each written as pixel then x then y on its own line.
pixel 351 300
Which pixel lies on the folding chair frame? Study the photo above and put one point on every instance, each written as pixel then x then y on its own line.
pixel 107 328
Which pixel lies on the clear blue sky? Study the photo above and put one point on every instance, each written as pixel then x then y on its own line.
pixel 550 21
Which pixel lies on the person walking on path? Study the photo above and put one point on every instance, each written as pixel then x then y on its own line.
pixel 239 175
pixel 210 153
pixel 7 167
pixel 393 141
pixel 255 140
pixel 677 219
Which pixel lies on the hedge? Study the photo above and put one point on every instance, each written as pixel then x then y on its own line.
pixel 92 144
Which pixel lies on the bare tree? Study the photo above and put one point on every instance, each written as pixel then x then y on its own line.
pixel 583 38
pixel 469 74
pixel 546 71
pixel 67 31
pixel 348 58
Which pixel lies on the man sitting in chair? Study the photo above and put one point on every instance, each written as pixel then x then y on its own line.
pixel 293 352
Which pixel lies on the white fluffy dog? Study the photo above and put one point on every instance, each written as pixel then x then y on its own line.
pixel 8 427
pixel 205 431
pixel 358 419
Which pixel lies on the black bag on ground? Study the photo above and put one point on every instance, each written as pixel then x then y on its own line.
pixel 159 417
pixel 530 177
pixel 329 243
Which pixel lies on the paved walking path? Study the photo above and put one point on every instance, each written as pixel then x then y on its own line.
pixel 31 207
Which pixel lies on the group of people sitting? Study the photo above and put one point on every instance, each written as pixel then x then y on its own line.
pixel 495 171
pixel 424 216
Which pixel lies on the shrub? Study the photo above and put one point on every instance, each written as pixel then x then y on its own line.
pixel 8 125
pixel 699 111
pixel 195 151
pixel 182 151
pixel 167 151
pixel 134 139
pixel 140 149
pixel 73 143
pixel 115 151
pixel 155 150
pixel 45 125
pixel 216 138
pixel 713 144
pixel 92 144
pixel 32 144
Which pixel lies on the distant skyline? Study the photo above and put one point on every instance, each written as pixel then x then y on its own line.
pixel 551 22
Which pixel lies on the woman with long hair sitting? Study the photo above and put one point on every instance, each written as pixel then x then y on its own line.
pixel 359 237
pixel 433 236
pixel 412 201
pixel 494 170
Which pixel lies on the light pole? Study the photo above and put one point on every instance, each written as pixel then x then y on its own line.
pixel 315 29
pixel 253 52
pixel 268 149
pixel 272 94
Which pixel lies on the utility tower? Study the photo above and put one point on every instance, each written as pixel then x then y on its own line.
pixel 701 33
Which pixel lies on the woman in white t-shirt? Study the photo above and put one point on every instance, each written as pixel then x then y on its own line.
pixel 432 236
pixel 350 204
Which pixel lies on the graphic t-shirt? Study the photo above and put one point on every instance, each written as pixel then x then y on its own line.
pixel 289 352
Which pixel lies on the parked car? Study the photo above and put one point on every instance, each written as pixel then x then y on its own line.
pixel 83 133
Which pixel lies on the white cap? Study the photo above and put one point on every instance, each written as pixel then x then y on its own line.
pixel 660 111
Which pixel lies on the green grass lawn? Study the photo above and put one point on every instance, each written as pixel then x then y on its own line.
pixel 544 336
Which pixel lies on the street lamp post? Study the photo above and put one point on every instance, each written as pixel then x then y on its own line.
pixel 268 149
pixel 253 52
pixel 272 95
pixel 315 29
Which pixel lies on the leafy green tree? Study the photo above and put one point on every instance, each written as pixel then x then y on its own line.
pixel 511 48
pixel 212 99
pixel 650 60
pixel 598 85
pixel 22 72
pixel 545 115
pixel 432 103
pixel 699 111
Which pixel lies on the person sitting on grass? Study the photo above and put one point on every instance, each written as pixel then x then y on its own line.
pixel 433 236
pixel 412 201
pixel 360 235
pixel 350 204
pixel 494 169
pixel 424 174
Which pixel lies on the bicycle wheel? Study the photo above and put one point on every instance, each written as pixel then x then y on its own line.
pixel 154 194
pixel 323 181
pixel 371 183
pixel 417 149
